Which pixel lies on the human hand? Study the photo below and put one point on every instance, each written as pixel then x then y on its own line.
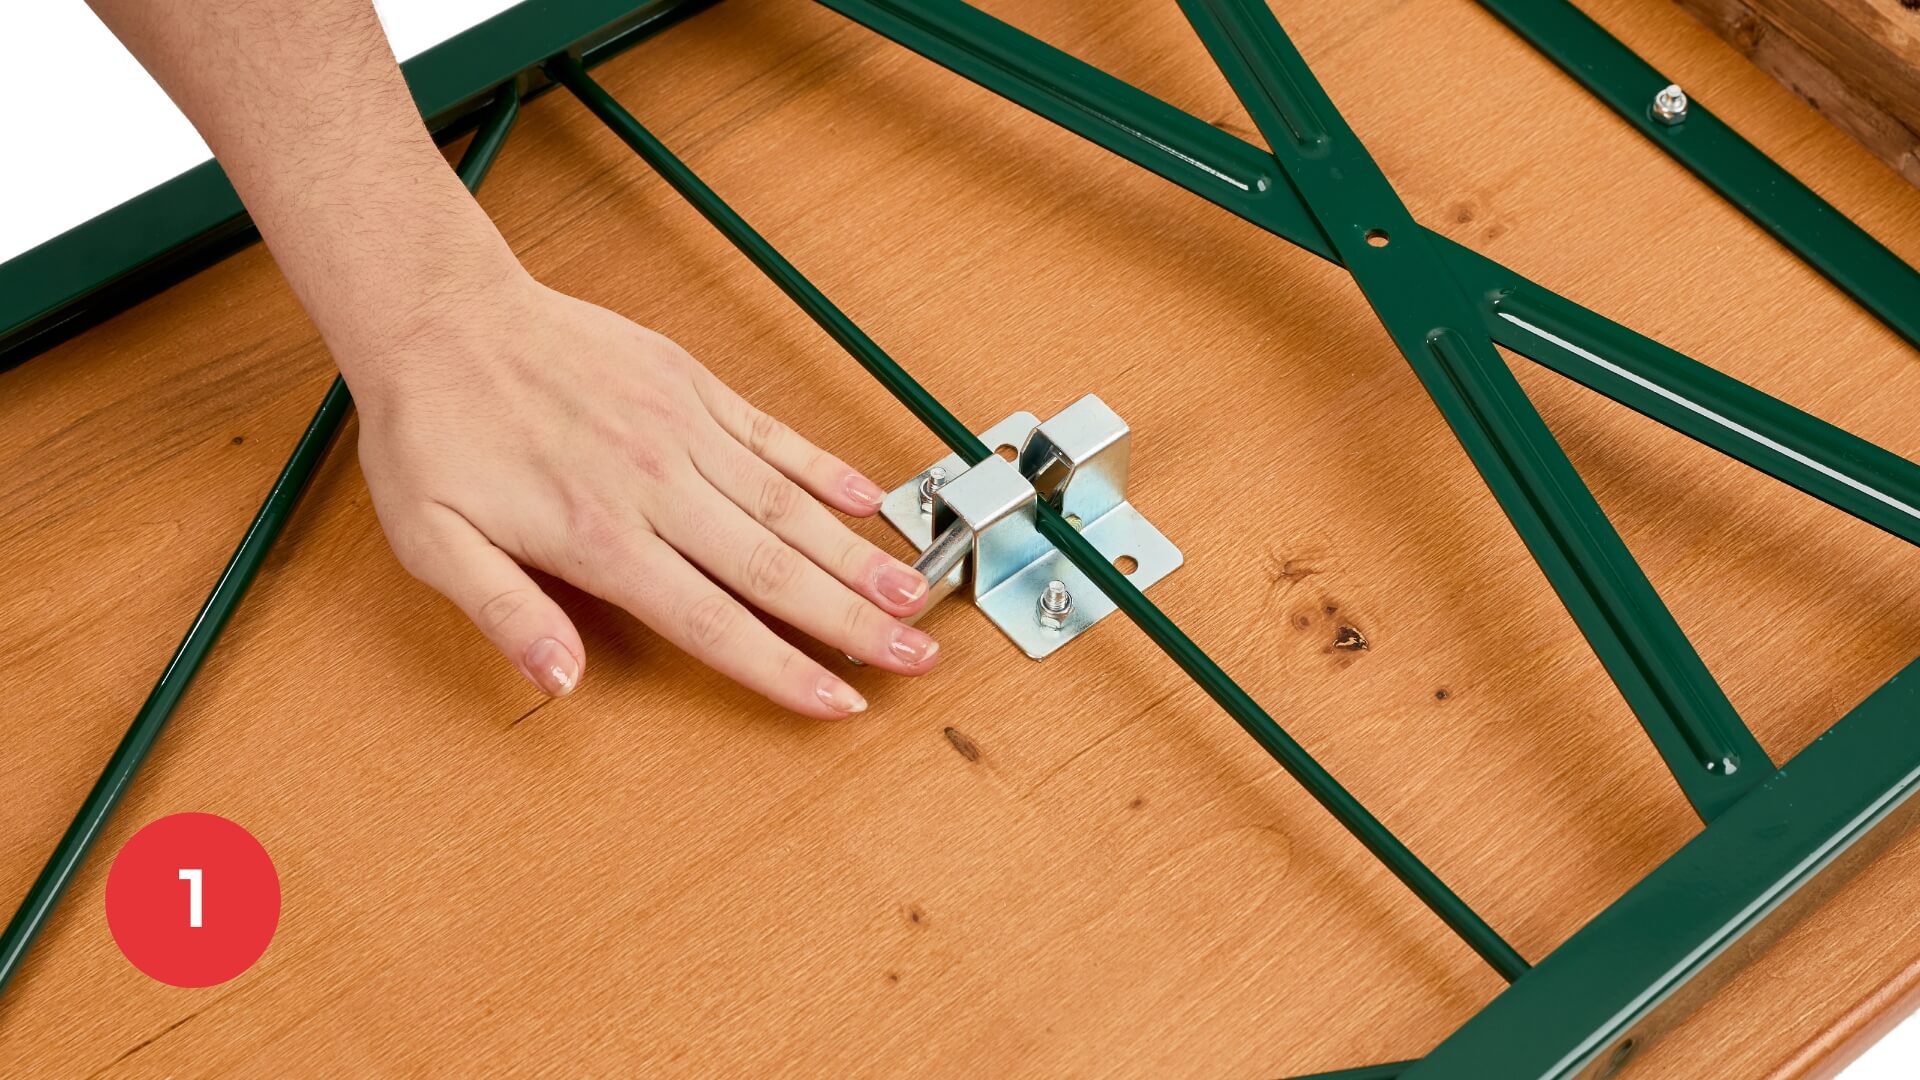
pixel 518 425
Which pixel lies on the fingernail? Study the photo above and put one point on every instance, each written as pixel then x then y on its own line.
pixel 551 667
pixel 839 697
pixel 898 584
pixel 913 646
pixel 863 491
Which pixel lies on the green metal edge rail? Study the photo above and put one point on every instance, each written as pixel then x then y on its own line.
pixel 1594 1002
pixel 1774 198
pixel 151 720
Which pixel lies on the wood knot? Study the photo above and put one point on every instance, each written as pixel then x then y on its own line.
pixel 966 747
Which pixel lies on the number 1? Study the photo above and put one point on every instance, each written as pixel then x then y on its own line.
pixel 192 878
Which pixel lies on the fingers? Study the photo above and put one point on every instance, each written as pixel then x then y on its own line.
pixel 742 554
pixel 781 507
pixel 831 480
pixel 448 554
pixel 653 582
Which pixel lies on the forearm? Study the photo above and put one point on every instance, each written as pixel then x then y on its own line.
pixel 303 104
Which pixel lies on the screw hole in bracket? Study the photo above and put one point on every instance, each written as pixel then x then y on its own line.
pixel 1126 564
pixel 1378 238
pixel 1007 451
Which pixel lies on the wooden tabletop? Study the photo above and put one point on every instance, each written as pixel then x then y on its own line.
pixel 1073 868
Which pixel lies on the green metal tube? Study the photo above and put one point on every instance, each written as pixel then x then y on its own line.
pixel 1437 328
pixel 1825 461
pixel 151 720
pixel 1773 197
pixel 1693 399
pixel 1654 954
pixel 1290 754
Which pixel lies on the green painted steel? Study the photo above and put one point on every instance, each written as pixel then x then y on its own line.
pixel 194 219
pixel 1438 329
pixel 1786 443
pixel 71 852
pixel 1773 197
pixel 1743 877
pixel 1289 753
pixel 1825 461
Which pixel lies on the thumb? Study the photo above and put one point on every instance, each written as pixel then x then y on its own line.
pixel 450 556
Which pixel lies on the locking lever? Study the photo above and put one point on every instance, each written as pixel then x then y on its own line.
pixel 976 526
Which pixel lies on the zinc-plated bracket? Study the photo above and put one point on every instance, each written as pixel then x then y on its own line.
pixel 975 527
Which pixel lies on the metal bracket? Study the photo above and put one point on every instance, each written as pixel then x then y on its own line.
pixel 983 518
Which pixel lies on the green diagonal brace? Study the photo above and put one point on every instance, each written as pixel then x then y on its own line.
pixel 1412 289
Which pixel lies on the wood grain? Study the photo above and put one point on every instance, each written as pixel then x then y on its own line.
pixel 1857 61
pixel 660 875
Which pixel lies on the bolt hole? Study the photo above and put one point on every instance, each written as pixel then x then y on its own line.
pixel 1377 238
pixel 1007 451
pixel 1126 564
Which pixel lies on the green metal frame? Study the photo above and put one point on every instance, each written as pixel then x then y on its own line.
pixel 1773 197
pixel 1773 837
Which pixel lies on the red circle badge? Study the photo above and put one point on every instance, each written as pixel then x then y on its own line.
pixel 193 900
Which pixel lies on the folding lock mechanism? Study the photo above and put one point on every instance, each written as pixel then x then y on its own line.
pixel 977 525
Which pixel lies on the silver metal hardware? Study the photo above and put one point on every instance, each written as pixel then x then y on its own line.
pixel 1077 461
pixel 1056 603
pixel 929 484
pixel 1670 105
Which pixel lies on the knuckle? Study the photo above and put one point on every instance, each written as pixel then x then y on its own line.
pixel 409 550
pixel 710 621
pixel 778 502
pixel 857 620
pixel 796 670
pixel 857 557
pixel 762 430
pixel 498 611
pixel 646 461
pixel 771 568
pixel 417 551
pixel 590 524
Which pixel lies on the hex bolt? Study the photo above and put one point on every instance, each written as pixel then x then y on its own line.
pixel 929 484
pixel 1056 603
pixel 1670 105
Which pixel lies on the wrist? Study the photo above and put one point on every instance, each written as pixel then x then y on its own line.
pixel 436 289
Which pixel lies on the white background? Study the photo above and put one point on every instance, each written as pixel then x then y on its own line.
pixel 87 129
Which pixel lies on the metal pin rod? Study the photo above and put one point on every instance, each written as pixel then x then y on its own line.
pixel 1290 754
pixel 941 565
pixel 121 768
